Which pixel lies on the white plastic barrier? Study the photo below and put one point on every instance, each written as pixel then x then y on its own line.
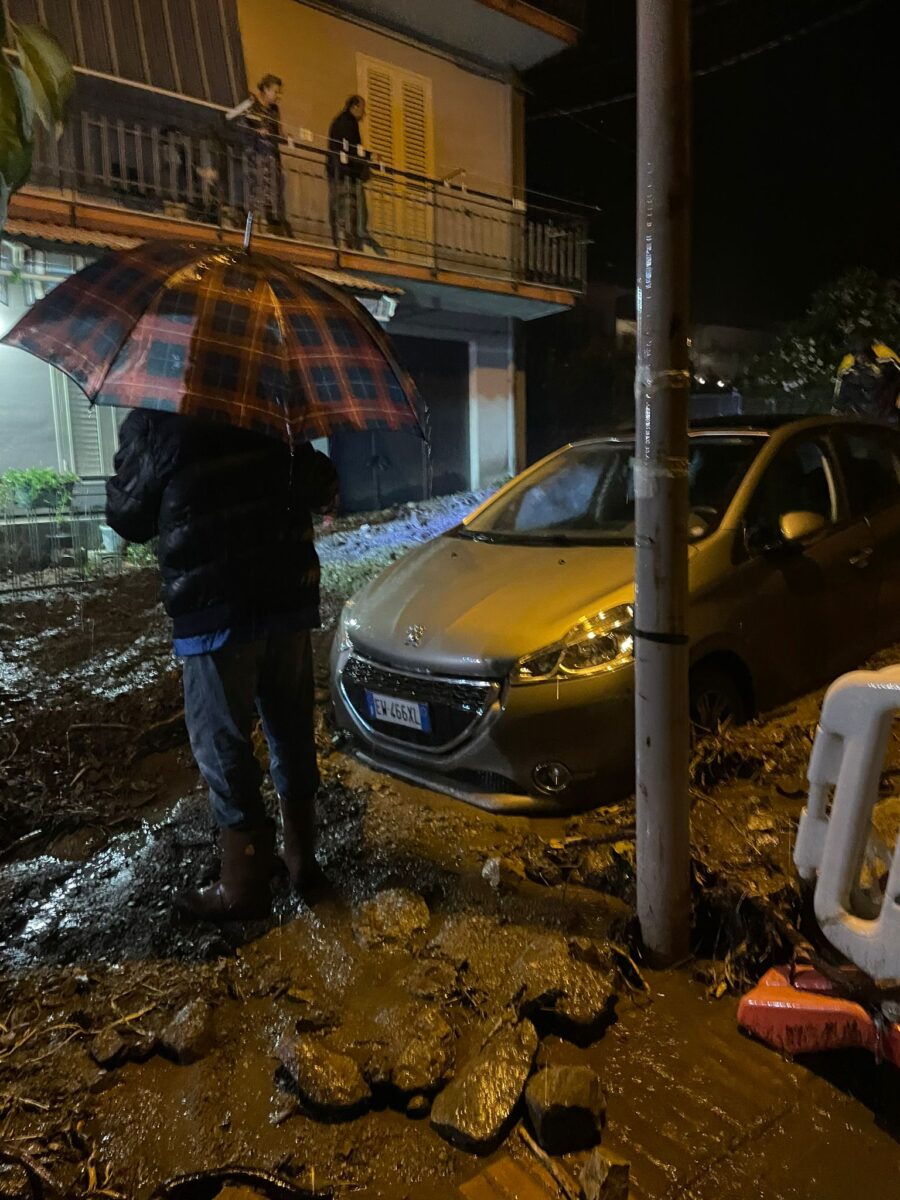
pixel 845 770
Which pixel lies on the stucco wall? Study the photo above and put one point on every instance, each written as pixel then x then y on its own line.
pixel 315 55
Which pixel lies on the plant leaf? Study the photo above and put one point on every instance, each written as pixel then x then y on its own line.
pixel 16 126
pixel 49 72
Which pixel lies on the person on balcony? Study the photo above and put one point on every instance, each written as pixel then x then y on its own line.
pixel 348 171
pixel 261 118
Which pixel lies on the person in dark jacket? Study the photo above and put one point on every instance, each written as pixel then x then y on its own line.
pixel 348 171
pixel 262 121
pixel 240 580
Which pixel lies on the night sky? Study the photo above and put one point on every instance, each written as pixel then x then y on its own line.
pixel 796 149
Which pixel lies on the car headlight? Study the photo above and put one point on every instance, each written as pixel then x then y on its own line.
pixel 345 626
pixel 596 645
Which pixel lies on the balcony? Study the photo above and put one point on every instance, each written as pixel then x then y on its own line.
pixel 174 183
pixel 496 33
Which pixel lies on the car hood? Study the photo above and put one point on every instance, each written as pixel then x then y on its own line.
pixel 481 606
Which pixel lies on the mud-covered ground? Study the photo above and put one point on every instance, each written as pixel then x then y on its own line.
pixel 135 1047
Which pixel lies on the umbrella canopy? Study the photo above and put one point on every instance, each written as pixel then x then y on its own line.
pixel 224 334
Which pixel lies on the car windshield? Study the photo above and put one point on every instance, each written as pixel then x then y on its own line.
pixel 586 494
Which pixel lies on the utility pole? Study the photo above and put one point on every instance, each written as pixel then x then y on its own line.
pixel 662 386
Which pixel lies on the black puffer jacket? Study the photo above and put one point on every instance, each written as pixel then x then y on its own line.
pixel 232 512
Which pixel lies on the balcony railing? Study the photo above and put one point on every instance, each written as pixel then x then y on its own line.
pixel 215 180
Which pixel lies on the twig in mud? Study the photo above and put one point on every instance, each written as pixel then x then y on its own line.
pixel 20 842
pixel 142 1012
pixel 12 754
pixel 565 1181
pixel 32 1167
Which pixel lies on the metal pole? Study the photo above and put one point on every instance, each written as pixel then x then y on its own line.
pixel 662 383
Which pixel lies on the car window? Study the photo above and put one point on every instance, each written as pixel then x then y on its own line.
pixel 873 469
pixel 586 493
pixel 801 479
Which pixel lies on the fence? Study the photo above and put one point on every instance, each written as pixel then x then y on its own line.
pixel 39 549
pixel 217 177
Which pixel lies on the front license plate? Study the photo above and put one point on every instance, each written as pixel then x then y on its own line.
pixel 408 713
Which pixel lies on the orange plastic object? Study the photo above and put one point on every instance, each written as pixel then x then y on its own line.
pixel 797 1011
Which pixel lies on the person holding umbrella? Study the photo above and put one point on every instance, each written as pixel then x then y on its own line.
pixel 234 364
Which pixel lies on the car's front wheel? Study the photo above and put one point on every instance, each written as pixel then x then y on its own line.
pixel 716 699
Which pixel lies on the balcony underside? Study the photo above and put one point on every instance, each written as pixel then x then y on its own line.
pixel 499 33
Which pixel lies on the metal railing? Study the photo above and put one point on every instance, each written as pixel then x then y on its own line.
pixel 216 179
pixel 39 549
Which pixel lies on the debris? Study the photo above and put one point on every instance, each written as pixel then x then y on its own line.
pixel 188 1037
pixel 394 919
pixel 564 1181
pixel 526 1180
pixel 109 1048
pixel 605 1176
pixel 418 1106
pixel 503 872
pixel 331 1083
pixel 567 1108
pixel 475 1109
pixel 432 979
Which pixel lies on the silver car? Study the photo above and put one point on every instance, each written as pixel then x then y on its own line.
pixel 495 663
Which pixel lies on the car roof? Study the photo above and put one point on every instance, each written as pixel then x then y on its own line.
pixel 758 425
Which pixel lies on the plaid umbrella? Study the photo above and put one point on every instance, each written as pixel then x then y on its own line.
pixel 221 334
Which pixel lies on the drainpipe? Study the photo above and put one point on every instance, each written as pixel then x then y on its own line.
pixel 662 385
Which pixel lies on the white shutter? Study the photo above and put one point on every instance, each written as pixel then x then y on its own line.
pixel 377 85
pixel 87 436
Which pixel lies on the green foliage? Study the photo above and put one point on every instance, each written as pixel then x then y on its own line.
pixel 799 372
pixel 39 87
pixel 36 487
pixel 141 555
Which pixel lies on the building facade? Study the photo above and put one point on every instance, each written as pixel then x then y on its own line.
pixel 149 151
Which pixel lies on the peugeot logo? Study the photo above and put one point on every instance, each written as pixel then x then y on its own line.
pixel 414 635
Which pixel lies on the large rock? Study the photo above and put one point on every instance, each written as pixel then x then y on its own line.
pixel 547 977
pixel 407 1045
pixel 189 1035
pixel 330 1082
pixel 567 1108
pixel 395 919
pixel 605 1176
pixel 109 1048
pixel 475 1109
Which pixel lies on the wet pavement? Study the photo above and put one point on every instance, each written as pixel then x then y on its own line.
pixel 460 950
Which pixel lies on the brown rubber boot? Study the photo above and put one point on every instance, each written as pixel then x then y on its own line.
pixel 298 828
pixel 242 891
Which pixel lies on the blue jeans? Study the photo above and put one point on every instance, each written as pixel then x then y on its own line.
pixel 223 690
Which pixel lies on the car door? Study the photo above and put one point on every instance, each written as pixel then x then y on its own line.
pixel 870 459
pixel 795 598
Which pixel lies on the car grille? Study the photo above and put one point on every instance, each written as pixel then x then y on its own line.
pixel 455 704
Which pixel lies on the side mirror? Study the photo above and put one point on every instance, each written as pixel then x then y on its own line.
pixel 798 527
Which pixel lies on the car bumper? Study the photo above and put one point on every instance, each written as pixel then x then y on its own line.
pixel 587 726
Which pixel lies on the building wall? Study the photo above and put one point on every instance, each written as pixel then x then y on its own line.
pixel 27 434
pixel 315 54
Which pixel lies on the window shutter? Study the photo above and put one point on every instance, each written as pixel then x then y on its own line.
pixel 94 434
pixel 398 130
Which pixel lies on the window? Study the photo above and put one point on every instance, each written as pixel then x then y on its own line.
pixel 87 437
pixel 873 470
pixel 399 130
pixel 800 479
pixel 586 494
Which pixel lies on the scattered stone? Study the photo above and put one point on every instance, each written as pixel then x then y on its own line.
pixel 329 1082
pixel 567 1108
pixel 407 1045
pixel 474 1110
pixel 189 1035
pixel 608 868
pixel 310 1015
pixel 395 919
pixel 605 1176
pixel 504 873
pixel 432 979
pixel 419 1106
pixel 109 1048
